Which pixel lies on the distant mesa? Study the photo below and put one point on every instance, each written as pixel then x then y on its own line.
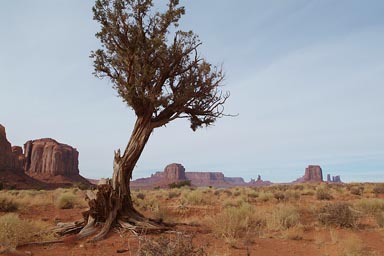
pixel 45 163
pixel 314 173
pixel 334 179
pixel 176 172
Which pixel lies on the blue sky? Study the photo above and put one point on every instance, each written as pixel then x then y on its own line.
pixel 306 78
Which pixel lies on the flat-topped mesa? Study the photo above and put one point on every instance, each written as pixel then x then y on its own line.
pixel 11 158
pixel 205 178
pixel 313 173
pixel 47 156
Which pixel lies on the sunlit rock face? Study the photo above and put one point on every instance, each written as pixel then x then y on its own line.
pixel 47 156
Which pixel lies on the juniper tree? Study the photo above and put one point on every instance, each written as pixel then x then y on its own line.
pixel 157 71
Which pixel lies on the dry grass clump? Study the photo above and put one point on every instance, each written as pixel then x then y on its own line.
pixel 179 245
pixel 370 206
pixel 357 190
pixel 233 223
pixel 353 246
pixel 323 193
pixel 282 217
pixel 8 204
pixel 14 231
pixel 378 189
pixel 66 201
pixel 338 214
pixel 265 196
pixel 25 198
pixel 197 197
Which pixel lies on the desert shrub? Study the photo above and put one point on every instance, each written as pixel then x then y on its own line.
pixel 179 184
pixel 294 233
pixel 370 205
pixel 173 194
pixel 323 193
pixel 8 204
pixel 379 217
pixel 279 196
pixel 235 222
pixel 265 196
pixel 180 245
pixel 292 195
pixel 66 201
pixel 298 187
pixel 338 214
pixel 161 214
pixel 308 192
pixel 253 194
pixel 378 189
pixel 82 185
pixel 197 197
pixel 140 195
pixel 358 191
pixel 283 217
pixel 14 231
pixel 227 192
pixel 237 193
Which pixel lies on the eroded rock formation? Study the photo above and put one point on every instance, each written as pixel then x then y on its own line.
pixel 11 158
pixel 47 156
pixel 313 173
pixel 176 172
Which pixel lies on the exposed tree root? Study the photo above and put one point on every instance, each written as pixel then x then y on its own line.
pixel 107 211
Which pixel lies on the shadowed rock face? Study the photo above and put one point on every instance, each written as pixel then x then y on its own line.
pixel 11 158
pixel 47 156
pixel 313 173
pixel 174 172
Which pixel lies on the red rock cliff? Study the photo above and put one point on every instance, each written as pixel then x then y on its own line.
pixel 47 156
pixel 11 158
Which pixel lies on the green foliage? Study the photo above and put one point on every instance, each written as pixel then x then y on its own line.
pixel 180 184
pixel 154 67
pixel 338 214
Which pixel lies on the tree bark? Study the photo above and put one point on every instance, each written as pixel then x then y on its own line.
pixel 113 203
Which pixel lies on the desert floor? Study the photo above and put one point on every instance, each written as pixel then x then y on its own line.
pixel 304 219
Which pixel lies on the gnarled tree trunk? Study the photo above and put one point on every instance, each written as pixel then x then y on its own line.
pixel 113 203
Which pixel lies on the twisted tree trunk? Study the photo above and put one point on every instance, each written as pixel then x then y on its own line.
pixel 113 203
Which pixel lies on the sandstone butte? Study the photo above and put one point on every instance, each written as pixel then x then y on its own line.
pixel 314 173
pixel 176 172
pixel 45 163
